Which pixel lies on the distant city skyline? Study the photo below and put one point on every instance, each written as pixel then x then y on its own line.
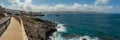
pixel 107 6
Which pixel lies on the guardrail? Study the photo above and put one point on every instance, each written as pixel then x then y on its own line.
pixel 4 22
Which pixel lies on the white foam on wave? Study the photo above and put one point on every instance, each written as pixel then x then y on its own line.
pixel 56 35
pixel 84 37
pixel 62 28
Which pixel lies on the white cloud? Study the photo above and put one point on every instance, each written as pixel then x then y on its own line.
pixel 1 4
pixel 28 6
pixel 28 1
pixel 97 2
pixel 14 1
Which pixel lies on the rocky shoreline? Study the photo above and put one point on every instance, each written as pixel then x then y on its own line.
pixel 38 29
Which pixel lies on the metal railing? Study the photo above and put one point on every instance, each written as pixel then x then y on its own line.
pixel 4 22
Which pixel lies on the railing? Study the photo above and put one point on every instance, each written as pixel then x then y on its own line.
pixel 3 24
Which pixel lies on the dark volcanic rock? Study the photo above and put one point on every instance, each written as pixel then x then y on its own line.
pixel 38 29
pixel 84 39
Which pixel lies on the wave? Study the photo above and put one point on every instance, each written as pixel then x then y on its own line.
pixel 62 29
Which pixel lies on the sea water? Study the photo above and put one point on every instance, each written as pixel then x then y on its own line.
pixel 78 26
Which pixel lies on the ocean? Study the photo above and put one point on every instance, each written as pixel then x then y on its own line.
pixel 77 26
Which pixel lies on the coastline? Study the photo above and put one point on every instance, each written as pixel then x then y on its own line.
pixel 39 29
pixel 35 28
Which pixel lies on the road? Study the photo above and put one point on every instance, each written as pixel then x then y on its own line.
pixel 15 30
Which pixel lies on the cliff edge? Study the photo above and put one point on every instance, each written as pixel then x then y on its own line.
pixel 38 29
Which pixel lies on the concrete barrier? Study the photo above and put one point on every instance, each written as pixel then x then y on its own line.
pixel 3 24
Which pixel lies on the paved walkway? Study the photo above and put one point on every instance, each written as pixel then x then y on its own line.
pixel 14 31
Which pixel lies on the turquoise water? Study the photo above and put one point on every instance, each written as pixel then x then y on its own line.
pixel 102 26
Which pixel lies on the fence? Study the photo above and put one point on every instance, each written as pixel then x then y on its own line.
pixel 4 22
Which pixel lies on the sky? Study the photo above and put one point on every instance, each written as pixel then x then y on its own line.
pixel 107 6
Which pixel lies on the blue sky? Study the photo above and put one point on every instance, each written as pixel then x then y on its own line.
pixel 39 2
pixel 54 4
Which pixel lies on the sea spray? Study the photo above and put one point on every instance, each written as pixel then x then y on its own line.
pixel 84 38
pixel 57 35
pixel 62 29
